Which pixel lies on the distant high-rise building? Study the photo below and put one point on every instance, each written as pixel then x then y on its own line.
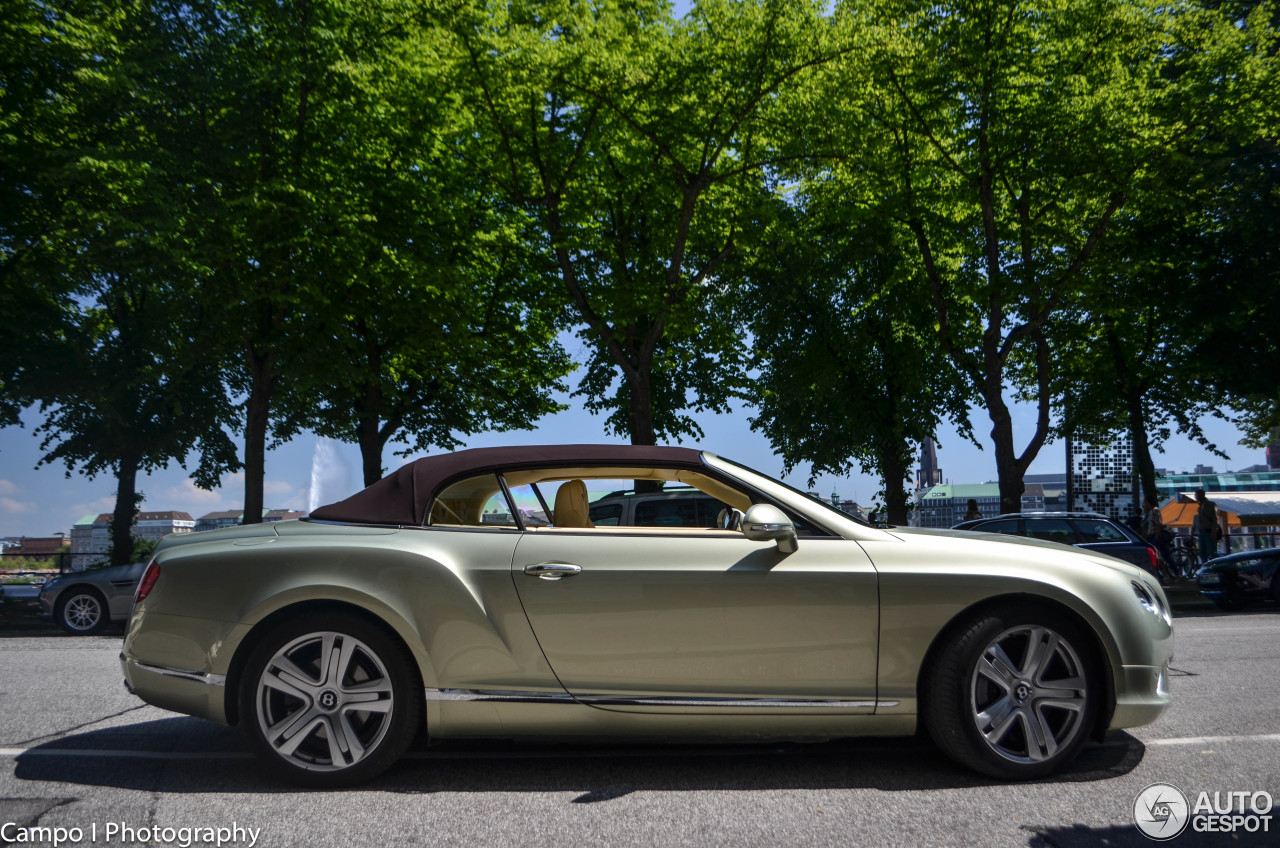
pixel 1273 451
pixel 930 473
pixel 1101 478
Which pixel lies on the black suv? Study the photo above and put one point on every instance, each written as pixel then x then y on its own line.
pixel 1082 529
pixel 676 507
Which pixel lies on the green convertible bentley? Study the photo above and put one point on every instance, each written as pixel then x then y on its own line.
pixel 472 591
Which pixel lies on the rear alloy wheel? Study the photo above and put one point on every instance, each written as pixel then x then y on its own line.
pixel 82 612
pixel 330 700
pixel 1016 695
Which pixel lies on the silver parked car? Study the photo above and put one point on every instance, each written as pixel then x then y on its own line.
pixel 85 602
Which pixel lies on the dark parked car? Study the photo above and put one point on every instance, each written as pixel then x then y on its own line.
pixel 24 589
pixel 678 507
pixel 85 602
pixel 1082 529
pixel 1234 580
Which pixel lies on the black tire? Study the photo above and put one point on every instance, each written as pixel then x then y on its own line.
pixel 987 678
pixel 82 611
pixel 301 721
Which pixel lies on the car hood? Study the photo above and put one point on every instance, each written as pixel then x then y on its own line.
pixel 1242 559
pixel 970 537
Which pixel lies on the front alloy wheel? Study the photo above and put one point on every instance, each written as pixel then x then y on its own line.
pixel 1016 694
pixel 1028 693
pixel 82 613
pixel 330 701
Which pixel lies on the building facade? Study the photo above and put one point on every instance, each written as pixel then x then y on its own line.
pixel 945 506
pixel 1101 478
pixel 235 517
pixel 91 535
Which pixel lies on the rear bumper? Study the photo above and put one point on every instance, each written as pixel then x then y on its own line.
pixel 191 692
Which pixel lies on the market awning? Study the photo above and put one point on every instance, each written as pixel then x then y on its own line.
pixel 1242 509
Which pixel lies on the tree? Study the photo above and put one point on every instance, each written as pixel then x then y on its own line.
pixel 134 399
pixel 52 61
pixel 116 364
pixel 440 326
pixel 639 146
pixel 1018 132
pixel 849 372
pixel 280 125
pixel 456 357
pixel 1151 343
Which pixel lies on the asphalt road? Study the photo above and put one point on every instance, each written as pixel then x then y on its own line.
pixel 77 751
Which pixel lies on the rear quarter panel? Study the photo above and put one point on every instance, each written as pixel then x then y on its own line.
pixel 448 594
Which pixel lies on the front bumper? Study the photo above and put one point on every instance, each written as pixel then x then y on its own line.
pixel 1142 696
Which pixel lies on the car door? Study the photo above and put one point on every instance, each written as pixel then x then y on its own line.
pixel 655 620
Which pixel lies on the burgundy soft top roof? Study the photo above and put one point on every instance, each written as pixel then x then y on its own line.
pixel 402 497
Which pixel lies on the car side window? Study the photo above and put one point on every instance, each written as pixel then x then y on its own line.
pixel 473 502
pixel 1051 530
pixel 1097 531
pixel 650 499
pixel 695 511
pixel 606 515
pixel 1006 526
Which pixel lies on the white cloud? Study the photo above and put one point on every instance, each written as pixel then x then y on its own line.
pixel 9 506
pixel 276 487
pixel 185 494
pixel 8 488
pixel 106 503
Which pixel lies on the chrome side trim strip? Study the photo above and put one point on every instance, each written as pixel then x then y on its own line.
pixel 743 703
pixel 630 701
pixel 498 695
pixel 198 677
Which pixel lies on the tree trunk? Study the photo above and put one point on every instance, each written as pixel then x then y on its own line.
pixel 373 437
pixel 894 471
pixel 258 415
pixel 126 506
pixel 1141 449
pixel 640 415
pixel 370 451
pixel 640 418
pixel 1008 469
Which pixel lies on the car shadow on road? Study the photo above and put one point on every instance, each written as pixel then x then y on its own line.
pixel 187 755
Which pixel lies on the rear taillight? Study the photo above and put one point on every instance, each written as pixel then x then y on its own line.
pixel 148 581
pixel 1151 554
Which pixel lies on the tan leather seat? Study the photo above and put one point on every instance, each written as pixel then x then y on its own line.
pixel 571 505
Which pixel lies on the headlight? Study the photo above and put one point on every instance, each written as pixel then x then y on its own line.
pixel 1150 601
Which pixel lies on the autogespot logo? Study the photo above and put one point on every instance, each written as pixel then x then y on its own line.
pixel 1161 811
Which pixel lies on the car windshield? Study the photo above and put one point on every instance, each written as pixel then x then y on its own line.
pixel 808 497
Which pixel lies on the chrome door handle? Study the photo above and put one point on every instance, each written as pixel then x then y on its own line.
pixel 552 570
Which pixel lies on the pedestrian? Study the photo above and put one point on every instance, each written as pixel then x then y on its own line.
pixel 1153 530
pixel 1205 526
pixel 972 514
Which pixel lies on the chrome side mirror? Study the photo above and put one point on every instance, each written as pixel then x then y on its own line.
pixel 767 523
